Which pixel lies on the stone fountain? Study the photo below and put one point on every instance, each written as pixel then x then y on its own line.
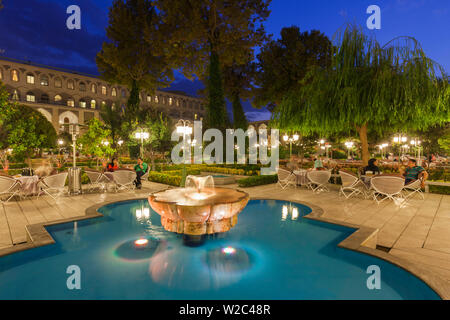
pixel 200 208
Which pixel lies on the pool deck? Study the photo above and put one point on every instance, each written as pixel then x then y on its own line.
pixel 418 232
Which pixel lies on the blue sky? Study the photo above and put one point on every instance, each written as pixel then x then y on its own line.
pixel 35 29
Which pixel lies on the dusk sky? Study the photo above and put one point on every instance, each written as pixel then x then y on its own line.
pixel 36 30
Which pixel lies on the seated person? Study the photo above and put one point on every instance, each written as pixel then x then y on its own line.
pixel 413 171
pixel 141 168
pixel 373 167
pixel 45 169
pixel 113 165
pixel 318 165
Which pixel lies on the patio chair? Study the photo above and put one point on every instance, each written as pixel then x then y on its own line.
pixel 9 186
pixel 414 188
pixel 286 179
pixel 318 179
pixel 145 176
pixel 387 186
pixel 124 179
pixel 351 183
pixel 97 180
pixel 50 184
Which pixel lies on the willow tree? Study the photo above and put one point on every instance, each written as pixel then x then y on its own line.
pixel 368 87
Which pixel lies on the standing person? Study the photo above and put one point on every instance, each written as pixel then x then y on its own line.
pixel 113 165
pixel 141 168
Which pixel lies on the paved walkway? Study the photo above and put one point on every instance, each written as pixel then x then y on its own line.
pixel 418 232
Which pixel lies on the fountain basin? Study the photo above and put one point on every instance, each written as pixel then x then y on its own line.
pixel 208 211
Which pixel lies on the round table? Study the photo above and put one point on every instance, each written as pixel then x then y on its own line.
pixel 29 184
pixel 302 179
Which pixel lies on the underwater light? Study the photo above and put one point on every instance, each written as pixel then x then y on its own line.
pixel 141 242
pixel 229 250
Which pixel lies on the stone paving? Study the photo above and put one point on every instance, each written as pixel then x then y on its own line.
pixel 417 232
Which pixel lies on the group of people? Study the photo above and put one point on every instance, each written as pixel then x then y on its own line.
pixel 140 168
pixel 411 173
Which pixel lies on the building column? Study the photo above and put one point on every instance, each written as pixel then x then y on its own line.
pixel 55 119
pixel 81 117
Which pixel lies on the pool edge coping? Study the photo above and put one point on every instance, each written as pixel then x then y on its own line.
pixel 362 240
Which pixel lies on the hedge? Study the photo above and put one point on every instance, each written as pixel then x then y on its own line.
pixel 173 180
pixel 257 181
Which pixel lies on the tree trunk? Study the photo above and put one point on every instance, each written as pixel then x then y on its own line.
pixel 364 144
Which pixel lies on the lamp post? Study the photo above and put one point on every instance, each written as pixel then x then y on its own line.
pixel 74 172
pixel 382 147
pixel 349 145
pixel 417 143
pixel 399 139
pixel 291 140
pixel 141 135
pixel 184 127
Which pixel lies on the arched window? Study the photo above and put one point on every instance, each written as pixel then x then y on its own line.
pixel 70 85
pixel 31 97
pixel 149 98
pixel 177 102
pixel 45 98
pixel 156 99
pixel 104 90
pixel 114 92
pixel 124 93
pixel 1 74
pixel 82 103
pixel 170 101
pixel 58 83
pixel 15 75
pixel 70 102
pixel 15 95
pixel 30 78
pixel 93 104
pixel 103 103
pixel 58 98
pixel 113 106
pixel 44 81
pixel 82 86
pixel 93 88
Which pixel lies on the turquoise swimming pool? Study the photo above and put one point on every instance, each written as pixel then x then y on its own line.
pixel 272 253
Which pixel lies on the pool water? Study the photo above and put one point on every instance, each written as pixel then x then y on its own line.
pixel 272 253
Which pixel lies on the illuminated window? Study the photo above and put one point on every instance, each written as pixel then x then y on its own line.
pixel 14 75
pixel 103 103
pixel 177 102
pixel 30 79
pixel 1 74
pixel 31 97
pixel 113 106
pixel 104 90
pixel 58 83
pixel 70 85
pixel 71 103
pixel 58 98
pixel 156 99
pixel 45 98
pixel 82 86
pixel 93 104
pixel 170 101
pixel 44 81
pixel 114 92
pixel 149 98
pixel 15 95
pixel 82 103
pixel 93 88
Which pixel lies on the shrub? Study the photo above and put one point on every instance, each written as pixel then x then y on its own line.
pixel 173 180
pixel 257 181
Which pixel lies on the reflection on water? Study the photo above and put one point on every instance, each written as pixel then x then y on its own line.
pixel 201 268
pixel 291 210
pixel 137 249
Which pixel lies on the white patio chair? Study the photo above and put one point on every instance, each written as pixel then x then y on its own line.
pixel 387 186
pixel 318 179
pixel 286 179
pixel 351 183
pixel 124 179
pixel 413 188
pixel 9 186
pixel 145 176
pixel 97 180
pixel 53 185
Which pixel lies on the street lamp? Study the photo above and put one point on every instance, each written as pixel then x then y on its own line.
pixel 184 128
pixel 399 139
pixel 417 143
pixel 291 140
pixel 349 145
pixel 382 147
pixel 141 135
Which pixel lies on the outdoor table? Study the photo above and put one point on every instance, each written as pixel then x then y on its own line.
pixel 29 185
pixel 302 179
